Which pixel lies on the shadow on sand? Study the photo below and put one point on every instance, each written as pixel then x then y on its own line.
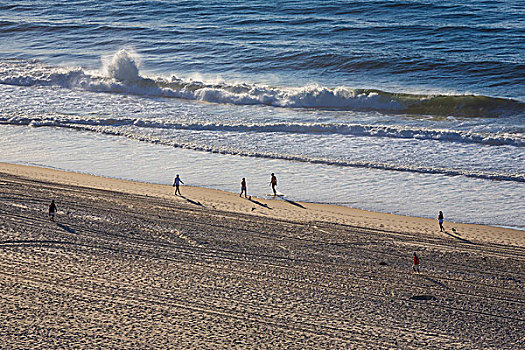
pixel 193 202
pixel 259 203
pixel 423 297
pixel 294 203
pixel 458 238
pixel 65 228
pixel 430 279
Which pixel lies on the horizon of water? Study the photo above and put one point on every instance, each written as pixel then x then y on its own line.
pixel 408 107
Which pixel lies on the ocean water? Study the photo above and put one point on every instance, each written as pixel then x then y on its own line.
pixel 408 107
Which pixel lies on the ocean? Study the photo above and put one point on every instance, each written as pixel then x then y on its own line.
pixel 405 107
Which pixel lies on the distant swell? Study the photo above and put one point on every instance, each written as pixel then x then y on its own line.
pixel 108 127
pixel 120 74
pixel 398 132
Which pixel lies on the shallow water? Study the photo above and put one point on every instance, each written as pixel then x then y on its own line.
pixel 415 194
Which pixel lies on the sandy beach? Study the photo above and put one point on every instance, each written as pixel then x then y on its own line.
pixel 130 265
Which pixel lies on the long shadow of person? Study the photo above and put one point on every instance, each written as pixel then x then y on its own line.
pixel 192 201
pixel 259 203
pixel 295 203
pixel 434 281
pixel 458 238
pixel 65 228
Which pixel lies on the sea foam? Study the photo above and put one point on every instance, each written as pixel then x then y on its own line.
pixel 122 66
pixel 367 130
pixel 112 126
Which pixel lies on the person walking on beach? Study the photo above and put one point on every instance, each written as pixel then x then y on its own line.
pixel 273 183
pixel 440 220
pixel 52 210
pixel 243 188
pixel 177 183
pixel 415 263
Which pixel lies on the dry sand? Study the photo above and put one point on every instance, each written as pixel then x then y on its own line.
pixel 129 265
pixel 277 209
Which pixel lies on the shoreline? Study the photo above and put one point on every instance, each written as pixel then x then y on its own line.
pixel 303 212
pixel 417 195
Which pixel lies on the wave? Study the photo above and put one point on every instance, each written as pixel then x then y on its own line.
pixel 367 130
pixel 98 126
pixel 120 74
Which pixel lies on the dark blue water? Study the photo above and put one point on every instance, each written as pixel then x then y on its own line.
pixel 398 46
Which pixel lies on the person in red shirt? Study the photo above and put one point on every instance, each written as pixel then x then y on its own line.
pixel 415 266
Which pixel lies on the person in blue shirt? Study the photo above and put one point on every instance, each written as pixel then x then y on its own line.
pixel 176 183
pixel 440 220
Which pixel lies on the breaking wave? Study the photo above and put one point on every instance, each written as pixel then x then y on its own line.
pixel 120 74
pixel 398 132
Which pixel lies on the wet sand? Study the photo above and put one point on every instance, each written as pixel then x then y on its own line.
pixel 129 265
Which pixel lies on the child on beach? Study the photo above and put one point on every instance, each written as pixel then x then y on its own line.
pixel 243 188
pixel 415 265
pixel 440 220
pixel 52 210
pixel 177 183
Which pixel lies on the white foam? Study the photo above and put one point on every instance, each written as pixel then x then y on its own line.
pixel 368 130
pixel 120 74
pixel 111 126
pixel 122 66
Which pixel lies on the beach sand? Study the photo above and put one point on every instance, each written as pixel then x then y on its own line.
pixel 130 265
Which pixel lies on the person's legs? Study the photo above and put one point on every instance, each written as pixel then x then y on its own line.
pixel 274 191
pixel 177 190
